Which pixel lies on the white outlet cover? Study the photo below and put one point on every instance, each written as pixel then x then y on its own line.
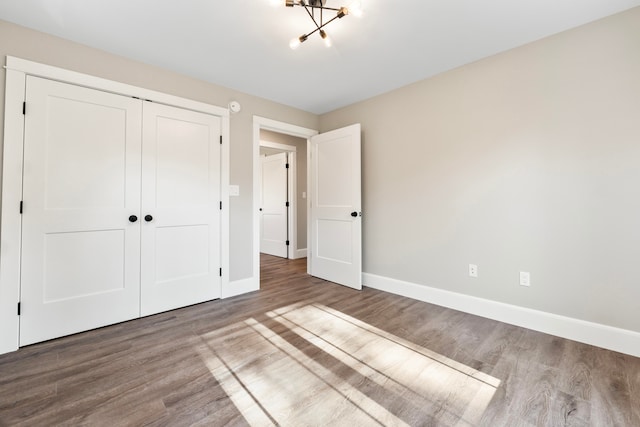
pixel 473 270
pixel 234 190
pixel 525 278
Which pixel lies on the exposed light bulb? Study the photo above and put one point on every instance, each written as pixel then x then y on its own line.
pixel 294 43
pixel 297 41
pixel 355 8
pixel 326 38
pixel 275 3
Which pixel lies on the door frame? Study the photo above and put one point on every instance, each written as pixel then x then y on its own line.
pixel 260 123
pixel 292 191
pixel 11 223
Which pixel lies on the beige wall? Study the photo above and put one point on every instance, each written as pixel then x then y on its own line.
pixel 301 178
pixel 27 44
pixel 528 160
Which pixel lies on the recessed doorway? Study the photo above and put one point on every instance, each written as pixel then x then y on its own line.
pixel 283 193
pixel 334 201
pixel 271 137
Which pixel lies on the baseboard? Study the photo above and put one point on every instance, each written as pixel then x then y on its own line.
pixel 238 287
pixel 616 339
pixel 300 253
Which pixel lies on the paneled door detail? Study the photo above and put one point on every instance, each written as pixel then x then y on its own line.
pixel 273 215
pixel 81 201
pixel 336 223
pixel 180 208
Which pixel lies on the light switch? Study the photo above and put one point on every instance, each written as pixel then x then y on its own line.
pixel 234 190
pixel 304 194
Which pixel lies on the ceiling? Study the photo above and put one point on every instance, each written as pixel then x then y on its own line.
pixel 244 44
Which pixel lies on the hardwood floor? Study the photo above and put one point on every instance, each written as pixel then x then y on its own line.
pixel 303 351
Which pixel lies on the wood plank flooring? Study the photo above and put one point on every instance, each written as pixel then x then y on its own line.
pixel 305 352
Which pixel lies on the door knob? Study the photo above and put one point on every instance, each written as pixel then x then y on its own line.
pixel 148 218
pixel 354 214
pixel 133 218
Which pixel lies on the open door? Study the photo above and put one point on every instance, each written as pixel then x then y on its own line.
pixel 335 208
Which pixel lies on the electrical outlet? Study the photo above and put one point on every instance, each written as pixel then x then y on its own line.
pixel 525 278
pixel 473 270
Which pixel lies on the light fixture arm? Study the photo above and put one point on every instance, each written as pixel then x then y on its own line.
pixel 312 15
pixel 310 7
pixel 320 27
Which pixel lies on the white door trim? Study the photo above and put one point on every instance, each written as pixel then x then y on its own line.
pixel 16 71
pixel 292 178
pixel 278 146
pixel 280 127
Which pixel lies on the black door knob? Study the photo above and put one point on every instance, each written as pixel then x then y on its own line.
pixel 133 218
pixel 148 218
pixel 354 214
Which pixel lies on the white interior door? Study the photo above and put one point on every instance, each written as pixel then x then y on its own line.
pixel 336 222
pixel 273 218
pixel 180 208
pixel 80 252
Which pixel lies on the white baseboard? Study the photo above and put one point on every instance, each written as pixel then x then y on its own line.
pixel 300 253
pixel 616 339
pixel 238 287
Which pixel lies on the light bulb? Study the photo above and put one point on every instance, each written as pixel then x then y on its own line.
pixel 355 8
pixel 326 38
pixel 275 3
pixel 295 42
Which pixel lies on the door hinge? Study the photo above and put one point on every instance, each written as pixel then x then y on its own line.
pixel 24 108
pixel 18 309
pixel 287 243
pixel 220 204
pixel 287 204
pixel 21 204
pixel 287 166
pixel 220 139
pixel 220 271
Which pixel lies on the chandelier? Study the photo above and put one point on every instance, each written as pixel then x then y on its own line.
pixel 321 16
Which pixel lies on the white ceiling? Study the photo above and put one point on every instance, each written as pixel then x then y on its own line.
pixel 244 44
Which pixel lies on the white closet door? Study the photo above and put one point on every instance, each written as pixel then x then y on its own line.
pixel 273 230
pixel 180 208
pixel 80 252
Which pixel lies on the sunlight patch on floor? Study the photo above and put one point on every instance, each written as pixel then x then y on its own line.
pixel 312 365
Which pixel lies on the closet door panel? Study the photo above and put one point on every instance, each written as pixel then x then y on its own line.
pixel 180 208
pixel 80 252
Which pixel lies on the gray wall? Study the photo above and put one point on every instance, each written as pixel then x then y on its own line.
pixel 301 178
pixel 528 160
pixel 35 46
